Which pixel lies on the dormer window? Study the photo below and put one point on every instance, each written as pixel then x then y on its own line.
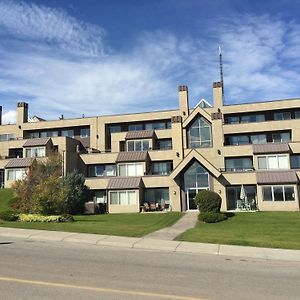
pixel 137 145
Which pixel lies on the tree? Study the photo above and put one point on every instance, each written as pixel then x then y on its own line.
pixel 77 193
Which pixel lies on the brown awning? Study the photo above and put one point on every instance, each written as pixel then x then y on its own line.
pixel 20 162
pixel 141 134
pixel 37 142
pixel 118 183
pixel 271 148
pixel 267 177
pixel 132 156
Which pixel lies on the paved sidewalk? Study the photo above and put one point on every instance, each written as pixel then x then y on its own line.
pixel 148 244
pixel 188 221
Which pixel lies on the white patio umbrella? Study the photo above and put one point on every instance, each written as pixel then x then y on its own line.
pixel 243 197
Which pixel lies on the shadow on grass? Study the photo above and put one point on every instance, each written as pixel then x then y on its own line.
pixel 229 214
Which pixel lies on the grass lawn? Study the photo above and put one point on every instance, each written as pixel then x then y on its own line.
pixel 135 225
pixel 260 229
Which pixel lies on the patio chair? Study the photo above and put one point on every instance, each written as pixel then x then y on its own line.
pixel 152 207
pixel 146 207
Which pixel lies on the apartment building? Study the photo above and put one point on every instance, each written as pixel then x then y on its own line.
pixel 248 153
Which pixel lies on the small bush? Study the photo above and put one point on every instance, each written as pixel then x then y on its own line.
pixel 208 201
pixel 212 217
pixel 9 215
pixel 47 219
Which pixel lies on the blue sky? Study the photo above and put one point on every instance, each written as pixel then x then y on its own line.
pixel 115 56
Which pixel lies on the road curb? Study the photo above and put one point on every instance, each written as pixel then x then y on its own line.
pixel 151 244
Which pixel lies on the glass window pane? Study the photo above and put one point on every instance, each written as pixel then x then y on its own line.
pixel 272 162
pixel 289 193
pixel 262 162
pixel 114 198
pixel 145 145
pixel 138 145
pixel 123 198
pixel 267 193
pixel 278 193
pixel 283 162
pixel 131 198
pixel 139 170
pixel 122 170
pixel 130 145
pixel 110 170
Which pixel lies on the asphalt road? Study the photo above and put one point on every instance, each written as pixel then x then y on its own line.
pixel 54 270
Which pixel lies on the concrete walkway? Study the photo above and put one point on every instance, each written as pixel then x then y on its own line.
pixel 6 234
pixel 188 221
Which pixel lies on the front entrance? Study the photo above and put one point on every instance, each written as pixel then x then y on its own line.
pixel 196 178
pixel 190 197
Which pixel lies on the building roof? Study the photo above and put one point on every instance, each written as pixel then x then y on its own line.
pixel 20 162
pixel 268 177
pixel 132 156
pixel 37 142
pixel 271 148
pixel 140 134
pixel 118 183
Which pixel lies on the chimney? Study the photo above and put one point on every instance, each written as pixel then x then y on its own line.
pixel 218 95
pixel 183 100
pixel 22 113
pixel 0 115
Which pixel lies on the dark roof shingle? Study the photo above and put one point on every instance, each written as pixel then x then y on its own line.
pixel 37 142
pixel 141 134
pixel 124 183
pixel 267 177
pixel 271 148
pixel 132 156
pixel 20 162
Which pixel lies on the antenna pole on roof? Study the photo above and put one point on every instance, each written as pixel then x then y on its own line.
pixel 221 69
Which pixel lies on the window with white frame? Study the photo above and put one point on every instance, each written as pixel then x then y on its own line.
pixel 273 162
pixel 199 134
pixel 123 198
pixel 101 170
pixel 131 169
pixel 35 152
pixel 137 145
pixel 16 174
pixel 162 168
pixel 278 193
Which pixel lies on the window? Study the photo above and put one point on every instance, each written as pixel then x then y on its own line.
pixel 196 177
pixel 84 132
pixel 161 168
pixel 273 162
pixel 295 161
pixel 199 134
pixel 234 200
pixel 131 169
pixel 16 174
pixel 283 137
pixel 135 127
pixel 155 126
pixel 282 116
pixel 123 198
pixel 238 140
pixel 100 196
pixel 165 144
pixel 69 133
pixel 258 138
pixel 232 120
pixel 238 164
pixel 35 152
pixel 160 195
pixel 7 137
pixel 297 114
pixel 114 128
pixel 278 193
pixel 33 135
pixel 101 170
pixel 49 134
pixel 252 118
pixel 137 145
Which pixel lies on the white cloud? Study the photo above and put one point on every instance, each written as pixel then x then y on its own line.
pixel 38 23
pixel 9 117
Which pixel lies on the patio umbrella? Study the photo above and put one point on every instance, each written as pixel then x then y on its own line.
pixel 242 193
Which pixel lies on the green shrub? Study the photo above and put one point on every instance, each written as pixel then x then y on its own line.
pixel 212 217
pixel 208 201
pixel 8 215
pixel 46 219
